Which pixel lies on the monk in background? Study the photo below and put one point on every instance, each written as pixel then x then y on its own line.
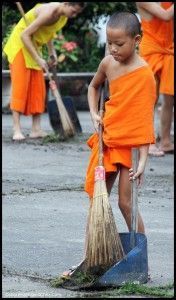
pixel 23 50
pixel 157 48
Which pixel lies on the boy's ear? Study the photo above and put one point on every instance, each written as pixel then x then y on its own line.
pixel 138 39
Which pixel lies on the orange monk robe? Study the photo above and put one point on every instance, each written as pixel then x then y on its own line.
pixel 28 89
pixel 157 48
pixel 128 121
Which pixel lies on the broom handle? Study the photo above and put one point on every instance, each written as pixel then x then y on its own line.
pixel 101 112
pixel 134 200
pixel 53 69
pixel 20 8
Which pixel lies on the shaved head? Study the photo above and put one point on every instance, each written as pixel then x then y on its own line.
pixel 127 21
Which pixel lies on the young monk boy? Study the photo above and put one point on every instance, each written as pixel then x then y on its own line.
pixel 26 63
pixel 128 117
pixel 157 48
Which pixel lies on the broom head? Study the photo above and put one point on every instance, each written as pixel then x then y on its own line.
pixel 103 244
pixel 68 127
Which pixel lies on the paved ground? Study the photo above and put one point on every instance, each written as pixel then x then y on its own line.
pixel 45 211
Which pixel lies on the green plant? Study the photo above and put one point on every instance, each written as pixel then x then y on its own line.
pixel 89 54
pixel 67 50
pixel 79 279
pixel 5 63
pixel 140 289
pixel 9 17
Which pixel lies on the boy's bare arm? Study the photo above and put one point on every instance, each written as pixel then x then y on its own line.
pixel 156 10
pixel 94 92
pixel 143 154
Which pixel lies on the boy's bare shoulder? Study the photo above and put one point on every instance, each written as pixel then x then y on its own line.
pixel 143 62
pixel 106 61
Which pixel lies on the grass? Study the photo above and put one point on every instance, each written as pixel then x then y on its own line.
pixel 56 138
pixel 81 279
pixel 52 138
pixel 78 279
pixel 141 289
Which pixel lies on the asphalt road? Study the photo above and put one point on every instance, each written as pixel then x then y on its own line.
pixel 45 211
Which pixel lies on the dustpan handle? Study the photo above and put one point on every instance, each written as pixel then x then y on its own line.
pixel 134 200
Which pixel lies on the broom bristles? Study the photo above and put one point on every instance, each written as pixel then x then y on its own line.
pixel 67 124
pixel 103 245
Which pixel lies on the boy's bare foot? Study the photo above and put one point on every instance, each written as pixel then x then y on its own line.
pixel 167 148
pixel 155 151
pixel 38 134
pixel 18 136
pixel 69 272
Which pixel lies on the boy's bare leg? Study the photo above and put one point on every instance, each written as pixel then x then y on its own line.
pixel 110 179
pixel 36 131
pixel 17 135
pixel 166 121
pixel 125 199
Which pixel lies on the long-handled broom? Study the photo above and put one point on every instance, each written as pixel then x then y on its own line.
pixel 68 127
pixel 103 244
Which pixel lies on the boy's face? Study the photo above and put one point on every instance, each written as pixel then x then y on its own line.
pixel 121 45
pixel 72 11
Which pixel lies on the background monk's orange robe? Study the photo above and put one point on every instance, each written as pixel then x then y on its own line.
pixel 28 89
pixel 157 48
pixel 128 121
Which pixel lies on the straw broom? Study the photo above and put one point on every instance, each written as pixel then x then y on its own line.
pixel 103 246
pixel 68 127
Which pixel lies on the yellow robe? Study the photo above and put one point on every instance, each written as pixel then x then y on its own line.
pixel 42 36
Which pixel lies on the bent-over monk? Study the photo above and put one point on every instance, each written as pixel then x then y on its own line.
pixel 23 50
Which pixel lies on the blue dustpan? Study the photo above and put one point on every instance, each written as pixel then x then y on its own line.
pixel 134 266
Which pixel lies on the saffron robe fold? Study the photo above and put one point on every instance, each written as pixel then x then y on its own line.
pixel 128 121
pixel 157 48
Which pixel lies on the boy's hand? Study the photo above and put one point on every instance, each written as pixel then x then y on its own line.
pixel 139 175
pixel 96 119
